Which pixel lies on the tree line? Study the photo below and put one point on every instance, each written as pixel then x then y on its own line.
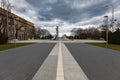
pixel 98 33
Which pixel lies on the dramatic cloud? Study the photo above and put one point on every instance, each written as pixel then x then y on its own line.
pixel 67 14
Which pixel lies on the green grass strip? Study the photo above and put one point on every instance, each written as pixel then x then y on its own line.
pixel 12 45
pixel 111 46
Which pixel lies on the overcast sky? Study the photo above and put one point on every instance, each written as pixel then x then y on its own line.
pixel 66 14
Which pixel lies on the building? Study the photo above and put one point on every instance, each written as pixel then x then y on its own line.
pixel 15 27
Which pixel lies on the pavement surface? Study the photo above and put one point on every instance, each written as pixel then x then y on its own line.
pixel 60 60
pixel 22 63
pixel 97 63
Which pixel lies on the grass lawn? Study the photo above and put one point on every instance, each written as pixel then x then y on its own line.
pixel 11 45
pixel 111 46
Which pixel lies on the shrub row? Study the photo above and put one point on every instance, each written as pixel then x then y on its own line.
pixel 3 38
pixel 113 37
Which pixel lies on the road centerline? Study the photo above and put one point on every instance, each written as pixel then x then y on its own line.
pixel 60 73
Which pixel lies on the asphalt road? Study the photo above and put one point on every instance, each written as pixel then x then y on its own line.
pixel 97 63
pixel 22 63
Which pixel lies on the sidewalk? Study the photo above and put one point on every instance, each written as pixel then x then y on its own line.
pixel 55 41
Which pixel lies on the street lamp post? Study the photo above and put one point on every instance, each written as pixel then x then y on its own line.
pixel 112 25
pixel 112 21
pixel 14 37
pixel 14 31
pixel 7 25
pixel 107 30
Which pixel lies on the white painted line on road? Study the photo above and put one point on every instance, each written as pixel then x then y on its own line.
pixel 60 73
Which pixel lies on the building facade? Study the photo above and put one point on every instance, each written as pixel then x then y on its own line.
pixel 15 27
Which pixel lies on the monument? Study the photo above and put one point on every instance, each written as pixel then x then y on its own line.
pixel 57 33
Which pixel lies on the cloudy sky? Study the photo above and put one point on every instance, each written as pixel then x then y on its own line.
pixel 66 14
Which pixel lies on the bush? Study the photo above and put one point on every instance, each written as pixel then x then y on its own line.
pixel 103 35
pixel 83 36
pixel 3 38
pixel 113 37
pixel 70 37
